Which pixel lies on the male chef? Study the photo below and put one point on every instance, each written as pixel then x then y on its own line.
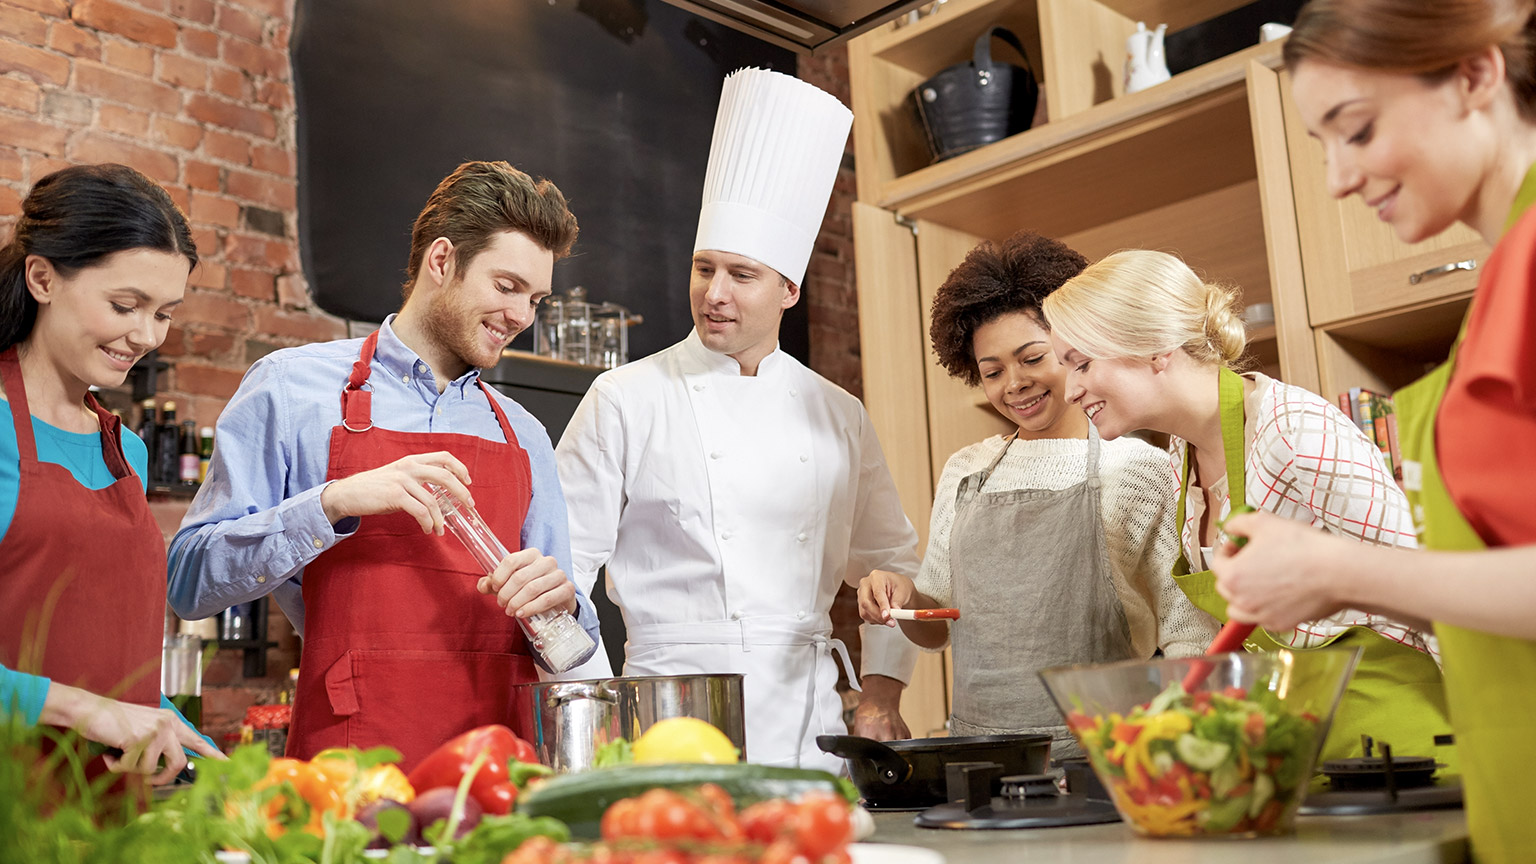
pixel 729 489
pixel 317 492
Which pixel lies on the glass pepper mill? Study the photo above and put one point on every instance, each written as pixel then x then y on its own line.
pixel 555 635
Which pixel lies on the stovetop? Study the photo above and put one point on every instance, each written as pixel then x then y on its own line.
pixel 1381 784
pixel 1027 800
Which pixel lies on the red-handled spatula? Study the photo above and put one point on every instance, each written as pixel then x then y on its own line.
pixel 1232 633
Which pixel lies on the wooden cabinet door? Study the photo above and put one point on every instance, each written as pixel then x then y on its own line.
pixel 893 333
pixel 1293 326
pixel 958 414
pixel 1354 264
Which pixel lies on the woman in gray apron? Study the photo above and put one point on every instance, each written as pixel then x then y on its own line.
pixel 1056 546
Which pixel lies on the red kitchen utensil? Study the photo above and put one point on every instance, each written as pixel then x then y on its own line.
pixel 1232 633
pixel 1230 638
pixel 924 614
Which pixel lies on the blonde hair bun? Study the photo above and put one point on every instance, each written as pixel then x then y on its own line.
pixel 1141 303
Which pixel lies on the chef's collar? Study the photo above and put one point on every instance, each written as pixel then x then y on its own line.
pixel 399 361
pixel 701 359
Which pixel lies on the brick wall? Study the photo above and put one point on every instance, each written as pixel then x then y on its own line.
pixel 197 94
pixel 831 292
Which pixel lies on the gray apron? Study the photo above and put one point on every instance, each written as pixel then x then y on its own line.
pixel 1032 578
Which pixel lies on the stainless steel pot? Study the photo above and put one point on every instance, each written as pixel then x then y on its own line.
pixel 568 720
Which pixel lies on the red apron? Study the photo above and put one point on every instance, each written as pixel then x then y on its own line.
pixel 399 647
pixel 85 568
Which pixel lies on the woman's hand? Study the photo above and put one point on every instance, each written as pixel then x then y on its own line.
pixel 882 590
pixel 399 486
pixel 145 735
pixel 528 582
pixel 1280 578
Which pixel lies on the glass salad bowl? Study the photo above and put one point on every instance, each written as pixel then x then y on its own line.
pixel 1231 757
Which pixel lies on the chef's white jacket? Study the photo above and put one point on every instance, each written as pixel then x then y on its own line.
pixel 728 509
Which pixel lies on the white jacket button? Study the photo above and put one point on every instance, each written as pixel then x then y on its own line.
pixel 698 387
pixel 725 535
pixel 799 616
pixel 805 457
pixel 802 537
pixel 736 616
pixel 794 392
pixel 715 454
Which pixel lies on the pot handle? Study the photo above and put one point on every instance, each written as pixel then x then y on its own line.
pixel 563 693
pixel 890 766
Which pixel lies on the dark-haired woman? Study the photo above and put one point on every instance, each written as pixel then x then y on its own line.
pixel 99 260
pixel 1427 111
pixel 1055 545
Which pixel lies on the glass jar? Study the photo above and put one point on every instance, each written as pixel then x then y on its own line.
pixel 555 635
pixel 593 334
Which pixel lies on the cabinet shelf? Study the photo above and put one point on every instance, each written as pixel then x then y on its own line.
pixel 1188 136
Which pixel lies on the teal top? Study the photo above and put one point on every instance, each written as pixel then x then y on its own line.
pixel 81 454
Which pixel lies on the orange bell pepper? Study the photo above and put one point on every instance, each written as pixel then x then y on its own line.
pixel 318 792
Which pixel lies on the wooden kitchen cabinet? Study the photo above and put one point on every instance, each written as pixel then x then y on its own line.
pixel 1212 165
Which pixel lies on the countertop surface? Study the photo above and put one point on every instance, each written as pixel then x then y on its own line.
pixel 1431 837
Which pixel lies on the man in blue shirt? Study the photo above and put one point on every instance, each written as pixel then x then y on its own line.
pixel 317 490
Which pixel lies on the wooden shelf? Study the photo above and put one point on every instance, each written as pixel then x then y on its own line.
pixel 1177 14
pixel 1186 137
pixel 1387 350
pixel 1423 333
pixel 948 36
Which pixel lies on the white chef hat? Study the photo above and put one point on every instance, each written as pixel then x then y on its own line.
pixel 777 147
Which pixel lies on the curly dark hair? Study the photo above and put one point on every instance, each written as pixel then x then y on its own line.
pixel 995 280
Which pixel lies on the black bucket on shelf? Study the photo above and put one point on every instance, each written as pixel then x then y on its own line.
pixel 978 102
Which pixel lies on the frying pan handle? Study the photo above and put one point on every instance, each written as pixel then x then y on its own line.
pixel 890 766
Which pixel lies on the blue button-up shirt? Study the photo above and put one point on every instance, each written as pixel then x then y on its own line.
pixel 257 520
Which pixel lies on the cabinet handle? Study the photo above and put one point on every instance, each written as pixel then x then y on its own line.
pixel 1469 264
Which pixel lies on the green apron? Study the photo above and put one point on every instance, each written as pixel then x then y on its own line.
pixel 1490 681
pixel 1395 695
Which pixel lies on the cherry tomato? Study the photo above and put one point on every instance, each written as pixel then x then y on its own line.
pixel 619 819
pixel 765 821
pixel 822 824
pixel 783 852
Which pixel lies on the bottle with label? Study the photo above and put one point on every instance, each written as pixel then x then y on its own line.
pixel 190 457
pixel 204 453
pixel 147 434
pixel 167 447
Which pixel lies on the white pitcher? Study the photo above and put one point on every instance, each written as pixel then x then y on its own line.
pixel 1145 62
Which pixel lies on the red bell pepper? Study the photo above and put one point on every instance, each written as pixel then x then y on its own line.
pixel 492 787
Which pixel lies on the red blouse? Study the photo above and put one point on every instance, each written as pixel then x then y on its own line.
pixel 1486 429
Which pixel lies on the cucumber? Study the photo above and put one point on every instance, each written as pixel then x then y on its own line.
pixel 579 800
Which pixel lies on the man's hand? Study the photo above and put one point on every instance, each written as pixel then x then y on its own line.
pixel 882 590
pixel 528 582
pixel 1275 581
pixel 399 486
pixel 879 713
pixel 145 735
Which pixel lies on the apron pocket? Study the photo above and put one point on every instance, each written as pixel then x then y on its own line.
pixel 416 700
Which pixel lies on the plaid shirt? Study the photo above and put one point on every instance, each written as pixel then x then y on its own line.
pixel 1306 461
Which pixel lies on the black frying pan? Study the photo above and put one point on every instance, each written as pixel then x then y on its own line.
pixel 909 774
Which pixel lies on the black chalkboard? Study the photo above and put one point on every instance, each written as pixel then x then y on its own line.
pixel 613 100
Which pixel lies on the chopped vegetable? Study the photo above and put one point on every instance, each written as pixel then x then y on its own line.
pixel 1205 763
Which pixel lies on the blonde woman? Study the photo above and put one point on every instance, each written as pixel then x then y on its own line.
pixel 1149 345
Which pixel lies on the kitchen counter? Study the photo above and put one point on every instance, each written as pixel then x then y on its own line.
pixel 1431 837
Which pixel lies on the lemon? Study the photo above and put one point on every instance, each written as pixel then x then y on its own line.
pixel 684 739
